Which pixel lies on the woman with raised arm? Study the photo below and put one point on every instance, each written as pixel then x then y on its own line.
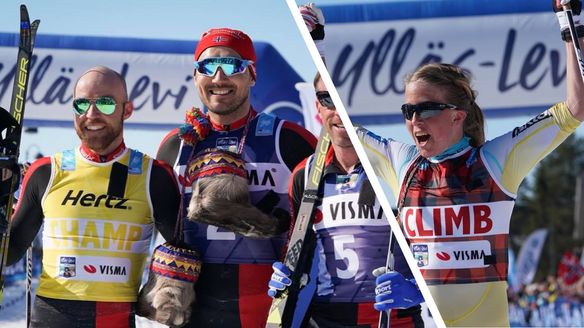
pixel 456 191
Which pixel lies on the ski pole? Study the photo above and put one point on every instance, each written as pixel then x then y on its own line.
pixel 574 36
pixel 389 265
pixel 28 285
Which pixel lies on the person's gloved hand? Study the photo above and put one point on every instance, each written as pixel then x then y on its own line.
pixel 280 279
pixel 393 291
pixel 576 7
pixel 167 301
pixel 314 20
pixel 312 16
pixel 169 293
pixel 8 168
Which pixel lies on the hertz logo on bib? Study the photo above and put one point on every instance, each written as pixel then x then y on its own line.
pixel 80 198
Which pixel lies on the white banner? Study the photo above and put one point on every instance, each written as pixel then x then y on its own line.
pixel 156 81
pixel 529 256
pixel 159 76
pixel 515 55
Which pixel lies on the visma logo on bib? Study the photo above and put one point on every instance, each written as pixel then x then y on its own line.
pixel 94 268
pixel 452 255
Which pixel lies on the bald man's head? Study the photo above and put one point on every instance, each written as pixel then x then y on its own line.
pixel 108 75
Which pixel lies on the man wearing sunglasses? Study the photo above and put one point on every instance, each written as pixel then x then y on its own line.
pixel 348 225
pixel 230 290
pixel 98 203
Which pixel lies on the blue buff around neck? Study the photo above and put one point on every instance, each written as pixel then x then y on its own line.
pixel 457 147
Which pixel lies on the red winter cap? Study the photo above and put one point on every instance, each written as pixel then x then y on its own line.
pixel 230 38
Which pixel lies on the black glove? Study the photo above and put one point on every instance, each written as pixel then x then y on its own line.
pixel 314 20
pixel 8 169
pixel 8 144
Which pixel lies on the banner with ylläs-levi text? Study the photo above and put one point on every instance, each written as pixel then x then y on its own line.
pixel 159 76
pixel 513 50
pixel 528 257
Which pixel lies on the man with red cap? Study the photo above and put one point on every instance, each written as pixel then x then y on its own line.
pixel 230 291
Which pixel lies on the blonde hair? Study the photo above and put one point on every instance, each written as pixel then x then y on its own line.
pixel 455 82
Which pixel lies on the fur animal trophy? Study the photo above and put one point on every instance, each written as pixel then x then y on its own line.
pixel 221 198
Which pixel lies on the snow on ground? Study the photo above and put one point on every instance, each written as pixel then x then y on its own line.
pixel 13 309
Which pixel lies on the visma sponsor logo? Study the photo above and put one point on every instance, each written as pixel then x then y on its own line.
pixel 443 256
pixel 91 200
pixel 261 177
pixel 353 210
pixel 464 255
pixel 474 254
pixel 112 270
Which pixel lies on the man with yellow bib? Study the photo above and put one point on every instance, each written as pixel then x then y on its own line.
pixel 99 204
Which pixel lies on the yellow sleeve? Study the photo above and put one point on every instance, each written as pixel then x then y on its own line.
pixel 388 157
pixel 513 155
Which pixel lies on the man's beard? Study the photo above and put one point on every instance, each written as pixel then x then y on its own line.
pixel 100 143
pixel 339 138
pixel 224 110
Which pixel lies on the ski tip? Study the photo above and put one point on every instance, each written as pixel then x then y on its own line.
pixel 24 14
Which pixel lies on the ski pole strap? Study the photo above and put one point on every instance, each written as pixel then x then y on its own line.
pixel 178 227
pixel 566 34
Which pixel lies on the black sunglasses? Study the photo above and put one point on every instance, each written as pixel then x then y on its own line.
pixel 324 98
pixel 424 110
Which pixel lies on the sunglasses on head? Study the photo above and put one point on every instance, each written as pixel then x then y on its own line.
pixel 324 98
pixel 424 110
pixel 105 104
pixel 229 65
